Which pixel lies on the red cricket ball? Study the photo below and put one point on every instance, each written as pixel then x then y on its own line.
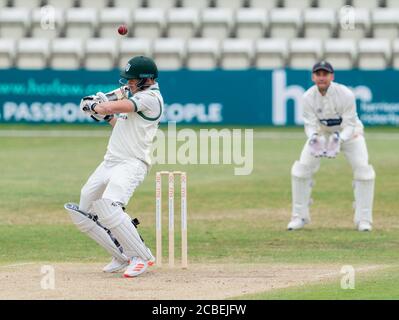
pixel 122 30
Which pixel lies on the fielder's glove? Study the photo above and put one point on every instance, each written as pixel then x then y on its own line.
pixel 317 145
pixel 334 145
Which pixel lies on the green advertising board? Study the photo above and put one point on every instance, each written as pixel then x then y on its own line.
pixel 251 97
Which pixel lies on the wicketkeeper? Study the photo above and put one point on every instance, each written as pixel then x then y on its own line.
pixel 331 125
pixel 134 111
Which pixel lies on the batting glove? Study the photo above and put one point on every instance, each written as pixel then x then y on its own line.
pixel 102 97
pixel 88 104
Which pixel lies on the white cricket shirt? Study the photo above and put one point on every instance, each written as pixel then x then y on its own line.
pixel 335 111
pixel 134 132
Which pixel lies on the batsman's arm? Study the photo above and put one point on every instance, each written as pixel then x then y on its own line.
pixel 118 94
pixel 113 107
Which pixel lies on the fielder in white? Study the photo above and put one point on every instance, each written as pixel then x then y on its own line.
pixel 100 213
pixel 331 125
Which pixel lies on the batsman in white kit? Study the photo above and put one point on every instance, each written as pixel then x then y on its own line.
pixel 331 125
pixel 134 111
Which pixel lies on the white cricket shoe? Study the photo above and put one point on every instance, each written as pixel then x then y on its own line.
pixel 364 226
pixel 296 223
pixel 115 265
pixel 138 265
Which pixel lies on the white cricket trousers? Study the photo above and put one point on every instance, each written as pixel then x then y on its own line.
pixel 115 181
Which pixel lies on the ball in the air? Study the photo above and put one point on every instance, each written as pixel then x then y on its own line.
pixel 122 30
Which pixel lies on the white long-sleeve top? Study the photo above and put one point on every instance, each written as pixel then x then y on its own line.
pixel 333 112
pixel 134 132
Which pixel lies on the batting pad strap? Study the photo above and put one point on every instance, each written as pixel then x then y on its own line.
pixel 364 173
pixel 300 170
pixel 82 222
pixel 94 231
pixel 108 212
pixel 115 219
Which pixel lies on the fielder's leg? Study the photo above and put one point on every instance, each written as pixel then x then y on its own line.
pixel 301 183
pixel 364 177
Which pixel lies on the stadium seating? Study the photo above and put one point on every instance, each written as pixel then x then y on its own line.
pixel 163 4
pixel 233 4
pixel 237 54
pixel 217 23
pixel 169 53
pixel 271 53
pixel 385 23
pixel 129 4
pixel 200 34
pixel 81 22
pixel 98 4
pixel 14 22
pixel 148 22
pixel 110 19
pixel 32 53
pixel 332 4
pixel 319 23
pixel 357 27
pixel 392 3
pixel 27 4
pixel 270 4
pixel 67 53
pixel 251 23
pixel 301 4
pixel 374 54
pixel 304 53
pixel 182 22
pixel 370 4
pixel 133 47
pixel 202 54
pixel 341 53
pixel 7 53
pixel 47 22
pixel 100 53
pixel 61 4
pixel 285 23
pixel 199 4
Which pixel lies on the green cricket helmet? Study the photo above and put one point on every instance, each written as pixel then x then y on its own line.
pixel 140 67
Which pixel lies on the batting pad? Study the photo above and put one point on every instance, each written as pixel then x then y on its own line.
pixel 115 219
pixel 93 230
pixel 301 184
pixel 364 193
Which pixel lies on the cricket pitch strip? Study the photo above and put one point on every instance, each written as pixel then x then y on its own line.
pixel 201 281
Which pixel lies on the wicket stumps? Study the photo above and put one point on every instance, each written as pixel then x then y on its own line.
pixel 171 208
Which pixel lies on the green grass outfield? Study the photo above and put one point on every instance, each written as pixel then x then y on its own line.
pixel 231 218
pixel 381 285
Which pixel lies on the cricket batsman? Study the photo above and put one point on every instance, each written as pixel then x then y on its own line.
pixel 134 111
pixel 331 126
